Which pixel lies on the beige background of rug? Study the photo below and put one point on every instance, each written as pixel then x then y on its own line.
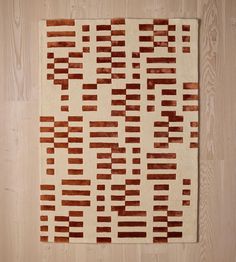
pixel 19 131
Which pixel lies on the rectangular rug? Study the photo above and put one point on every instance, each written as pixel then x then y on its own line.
pixel 119 130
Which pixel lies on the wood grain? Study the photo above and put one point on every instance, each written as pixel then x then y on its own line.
pixel 19 89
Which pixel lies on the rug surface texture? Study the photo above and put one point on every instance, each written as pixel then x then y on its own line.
pixel 119 130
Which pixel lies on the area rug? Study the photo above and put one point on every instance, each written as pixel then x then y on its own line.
pixel 119 130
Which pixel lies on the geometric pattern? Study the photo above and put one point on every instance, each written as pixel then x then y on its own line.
pixel 119 130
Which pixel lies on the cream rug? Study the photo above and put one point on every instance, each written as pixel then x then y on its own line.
pixel 119 130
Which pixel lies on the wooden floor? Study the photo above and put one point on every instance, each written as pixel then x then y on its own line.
pixel 19 95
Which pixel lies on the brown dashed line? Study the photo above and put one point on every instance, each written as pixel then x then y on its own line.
pixel 75 118
pixel 118 102
pixel 75 54
pixel 60 44
pixel 160 240
pixel 103 229
pixel 75 213
pixel 132 203
pixel 117 32
pixel 186 49
pixel 103 219
pixel 174 234
pixel 65 108
pixel 89 108
pixel 194 134
pixel 47 187
pixel 103 27
pixel 136 160
pixel 194 124
pixel 190 97
pixel 100 198
pixel 186 202
pixel 161 124
pixel 61 218
pixel 146 27
pixel 132 129
pixel 103 81
pixel 75 140
pixel 161 71
pixel 132 234
pixel 61 229
pixel 132 213
pixel 103 70
pixel 61 145
pixel 103 38
pixel 118 160
pixel 103 134
pixel 162 44
pixel 118 76
pixel 118 91
pixel 61 239
pixel 161 134
pixel 136 150
pixel 186 38
pixel 132 97
pixel 75 76
pixel 176 129
pixel 103 155
pixel 46 129
pixel 105 49
pixel 46 119
pixel 118 43
pixel 89 97
pixel 75 171
pixel 60 33
pixel 161 60
pixel 47 208
pixel 75 203
pixel 185 27
pixel 118 54
pixel 50 66
pixel 160 33
pixel 162 166
pixel 47 197
pixel 160 21
pixel 117 187
pixel 132 140
pixel 171 49
pixel 161 176
pixel 132 108
pixel 64 97
pixel 50 171
pixel 186 192
pixel 175 213
pixel 132 224
pixel 161 145
pixel 89 86
pixel 75 150
pixel 118 21
pixel 168 103
pixel 146 38
pixel 103 240
pixel 118 150
pixel 61 134
pixel 75 129
pixel 103 145
pixel 61 60
pixel 43 218
pixel 161 187
pixel 160 198
pixel 186 181
pixel 160 219
pixel 43 228
pixel 76 182
pixel 118 113
pixel 117 198
pixel 118 64
pixel 190 108
pixel 86 38
pixel 100 187
pixel 60 22
pixel 171 27
pixel 104 166
pixel 50 55
pixel 146 49
pixel 132 192
pixel 104 176
pixel 85 28
pixel 46 139
pixel 103 124
pixel 175 223
pixel 76 234
pixel 132 181
pixel 164 81
pixel 135 54
pixel 168 92
pixel 160 229
pixel 118 171
pixel 175 140
pixel 75 65
pixel 160 208
pixel 171 38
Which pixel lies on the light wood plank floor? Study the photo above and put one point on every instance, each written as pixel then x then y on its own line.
pixel 19 90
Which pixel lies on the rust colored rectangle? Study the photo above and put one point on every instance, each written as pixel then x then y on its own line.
pixel 47 208
pixel 103 218
pixel 132 129
pixel 132 234
pixel 160 208
pixel 89 108
pixel 61 218
pixel 190 108
pixel 161 155
pixel 75 213
pixel 61 239
pixel 132 213
pixel 146 27
pixel 60 22
pixel 171 213
pixel 117 32
pixel 75 171
pixel 103 229
pixel 61 229
pixel 132 140
pixel 77 182
pixel 161 176
pixel 75 203
pixel 103 145
pixel 103 239
pixel 61 44
pixel 132 224
pixel 103 27
pixel 162 166
pixel 161 187
pixel 161 60
pixel 75 192
pixel 60 33
pixel 89 97
pixel 47 197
